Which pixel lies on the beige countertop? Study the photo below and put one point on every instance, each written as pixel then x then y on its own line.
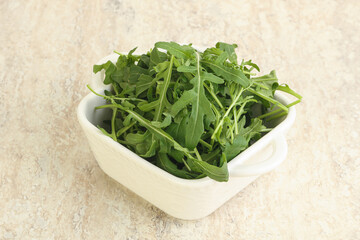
pixel 50 184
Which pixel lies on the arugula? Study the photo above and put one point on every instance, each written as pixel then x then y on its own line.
pixel 189 112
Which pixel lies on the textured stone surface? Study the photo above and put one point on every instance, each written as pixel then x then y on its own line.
pixel 50 184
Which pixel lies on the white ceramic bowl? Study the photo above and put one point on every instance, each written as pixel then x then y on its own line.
pixel 180 198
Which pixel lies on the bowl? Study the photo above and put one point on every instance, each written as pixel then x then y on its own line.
pixel 187 199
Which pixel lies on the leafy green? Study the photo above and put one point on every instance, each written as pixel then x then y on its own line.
pixel 175 49
pixel 229 49
pixel 189 112
pixel 229 74
pixel 162 101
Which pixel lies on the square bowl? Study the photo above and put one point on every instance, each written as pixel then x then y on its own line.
pixel 187 199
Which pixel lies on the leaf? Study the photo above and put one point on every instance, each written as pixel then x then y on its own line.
pixel 166 75
pixel 176 130
pixel 183 101
pixel 175 49
pixel 136 138
pixel 229 49
pixel 270 81
pixel 163 124
pixel 219 173
pixel 183 68
pixel 287 89
pixel 253 129
pixel 222 58
pixel 229 74
pixel 122 61
pixel 178 156
pixel 165 163
pixel 210 52
pixel 131 52
pixel 156 57
pixel 211 155
pixel 105 66
pixel 142 143
pixel 146 107
pixel 251 64
pixel 239 144
pixel 212 78
pixel 151 151
pixel 109 68
pixel 121 75
pixel 144 61
pixel 267 99
pixel 136 72
pixel 144 83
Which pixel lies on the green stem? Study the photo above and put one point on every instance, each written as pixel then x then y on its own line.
pixel 186 165
pixel 277 103
pixel 289 91
pixel 122 142
pixel 213 95
pixel 113 130
pixel 197 154
pixel 261 85
pixel 232 136
pixel 104 106
pixel 227 113
pixel 260 79
pixel 116 98
pixel 235 120
pixel 249 73
pixel 206 144
pixel 276 116
pixel 266 130
pixel 97 94
pixel 241 111
pixel 118 53
pixel 279 109
pixel 124 129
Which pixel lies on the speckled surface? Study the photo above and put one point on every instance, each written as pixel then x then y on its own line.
pixel 50 184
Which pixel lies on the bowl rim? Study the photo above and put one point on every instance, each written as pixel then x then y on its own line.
pixel 280 129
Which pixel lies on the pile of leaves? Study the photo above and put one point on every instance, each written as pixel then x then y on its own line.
pixel 189 112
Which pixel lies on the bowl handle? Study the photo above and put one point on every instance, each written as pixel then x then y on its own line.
pixel 252 169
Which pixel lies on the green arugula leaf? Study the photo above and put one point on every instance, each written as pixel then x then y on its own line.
pixel 229 74
pixel 229 49
pixel 166 75
pixel 135 73
pixel 156 57
pixel 220 173
pixel 143 83
pixel 175 49
pixel 239 144
pixel 251 64
pixel 165 163
pixel 212 78
pixel 190 69
pixel 109 68
pixel 253 129
pixel 163 124
pixel 176 130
